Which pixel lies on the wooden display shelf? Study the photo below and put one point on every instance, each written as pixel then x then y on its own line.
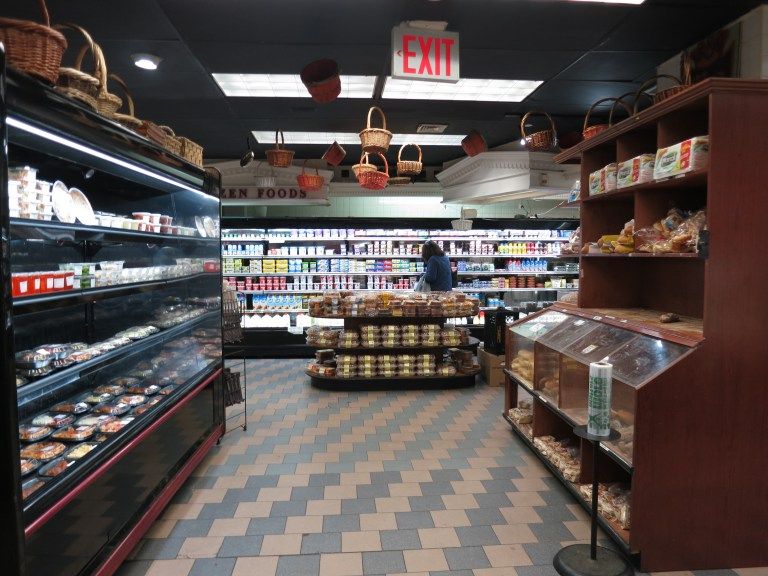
pixel 472 345
pixel 695 179
pixel 393 382
pixel 678 255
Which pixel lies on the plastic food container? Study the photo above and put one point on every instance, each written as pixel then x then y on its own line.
pixel 31 433
pixel 54 468
pixel 114 409
pixel 31 486
pixel 28 465
pixel 80 268
pixel 115 425
pixel 53 420
pixel 71 407
pixel 143 216
pixel 166 220
pixel 20 284
pixel 74 433
pixel 98 398
pixel 132 399
pixel 94 420
pixel 43 451
pixel 32 359
pixel 26 176
pixel 144 407
pixel 77 452
pixel 112 264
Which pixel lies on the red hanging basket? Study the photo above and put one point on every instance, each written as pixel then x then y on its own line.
pixel 310 182
pixel 375 179
pixel 321 78
pixel 474 143
pixel 335 154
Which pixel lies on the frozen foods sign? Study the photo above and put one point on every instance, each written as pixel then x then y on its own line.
pixel 270 195
pixel 419 54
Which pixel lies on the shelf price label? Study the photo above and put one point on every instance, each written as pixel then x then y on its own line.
pixel 420 54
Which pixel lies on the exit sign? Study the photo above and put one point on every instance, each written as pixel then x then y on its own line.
pixel 419 54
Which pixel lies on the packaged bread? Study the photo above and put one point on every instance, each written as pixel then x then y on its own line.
pixel 637 170
pixel 608 178
pixel 686 156
pixel 595 183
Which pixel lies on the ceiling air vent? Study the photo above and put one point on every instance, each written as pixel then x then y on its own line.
pixel 431 128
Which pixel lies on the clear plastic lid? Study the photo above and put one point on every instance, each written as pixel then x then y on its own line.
pixel 567 331
pixel 536 327
pixel 643 358
pixel 596 344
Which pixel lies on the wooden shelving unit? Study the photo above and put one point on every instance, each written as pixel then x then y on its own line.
pixel 696 467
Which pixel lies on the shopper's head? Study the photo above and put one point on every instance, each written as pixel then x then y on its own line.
pixel 430 248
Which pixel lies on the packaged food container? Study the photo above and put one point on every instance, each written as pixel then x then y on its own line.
pixel 166 220
pixel 71 407
pixel 31 486
pixel 115 425
pixel 80 450
pixel 144 407
pixel 20 284
pixel 80 268
pixel 113 389
pixel 143 216
pixel 28 465
pixel 32 433
pixel 83 282
pixel 114 408
pixel 132 399
pixel 144 390
pixel 94 419
pixel 43 451
pixel 53 420
pixel 54 468
pixel 112 264
pixel 637 170
pixel 74 433
pixel 25 176
pixel 31 359
pixel 683 157
pixel 98 398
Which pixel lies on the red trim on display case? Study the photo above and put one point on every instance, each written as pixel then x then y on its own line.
pixel 121 552
pixel 107 464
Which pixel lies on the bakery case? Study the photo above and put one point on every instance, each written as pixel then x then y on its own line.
pixel 112 331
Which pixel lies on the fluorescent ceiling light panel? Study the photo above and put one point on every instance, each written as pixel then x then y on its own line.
pixel 352 138
pixel 466 89
pixel 287 85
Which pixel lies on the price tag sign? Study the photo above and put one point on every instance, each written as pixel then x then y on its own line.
pixel 589 349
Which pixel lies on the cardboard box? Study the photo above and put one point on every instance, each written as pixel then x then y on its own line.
pixel 492 366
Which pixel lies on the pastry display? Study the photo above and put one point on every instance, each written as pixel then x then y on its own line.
pixel 144 390
pixel 74 433
pixel 54 468
pixel 94 420
pixel 437 304
pixel 29 465
pixel 167 390
pixel 613 501
pixel 43 451
pixel 522 365
pixel 565 454
pixel 678 231
pixel 522 416
pixel 34 433
pixel 98 398
pixel 78 451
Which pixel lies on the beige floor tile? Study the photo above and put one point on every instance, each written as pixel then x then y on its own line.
pixel 680 573
pixel 534 471
pixel 253 510
pixel 310 468
pixel 369 466
pixel 227 482
pixel 161 528
pixel 378 521
pixel 475 474
pixel 489 452
pixel 482 463
pixel 397 504
pixel 530 485
pixel 520 515
pixel 363 541
pixel 449 518
pixel 410 489
pixel 426 465
pixel 459 501
pixel 354 478
pixel 323 507
pixel 350 564
pixel 182 511
pixel 303 525
pixel 177 567
pixel 425 560
pixel 277 494
pixel 269 459
pixel 325 457
pixel 438 538
pixel 436 454
pixel 506 571
pixel 580 513
pixel 256 566
pixel 515 534
pixel 581 529
pixel 251 470
pixel 340 492
pixel 752 571
pixel 201 547
pixel 229 527
pixel 526 499
pixel 468 487
pixel 281 544
pixel 293 480
pixel 410 476
pixel 507 555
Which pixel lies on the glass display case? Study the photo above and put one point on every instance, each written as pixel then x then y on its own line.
pixel 521 344
pixel 113 288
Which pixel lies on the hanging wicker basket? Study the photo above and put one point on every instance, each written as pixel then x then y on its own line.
pixel 542 140
pixel 363 166
pixel 335 154
pixel 409 167
pixel 309 182
pixel 375 140
pixel 662 95
pixel 278 156
pixel 322 80
pixel 399 181
pixel 592 131
pixel 33 48
pixel 149 130
pixel 375 179
pixel 191 151
pixel 620 101
pixel 106 102
pixel 75 83
pixel 474 143
pixel 172 143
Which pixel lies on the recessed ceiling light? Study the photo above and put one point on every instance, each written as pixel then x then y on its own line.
pixel 467 89
pixel 352 138
pixel 146 61
pixel 287 85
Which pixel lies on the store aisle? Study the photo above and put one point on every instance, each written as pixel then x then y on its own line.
pixel 363 483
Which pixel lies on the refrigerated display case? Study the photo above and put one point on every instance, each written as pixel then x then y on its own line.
pixel 111 301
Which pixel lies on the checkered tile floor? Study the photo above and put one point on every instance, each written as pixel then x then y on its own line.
pixel 337 484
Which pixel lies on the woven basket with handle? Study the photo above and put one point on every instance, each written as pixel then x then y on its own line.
pixel 620 101
pixel 363 166
pixel 398 181
pixel 172 143
pixel 33 48
pixel 662 95
pixel 375 179
pixel 409 167
pixel 106 102
pixel 149 130
pixel 542 140
pixel 322 80
pixel 75 83
pixel 278 156
pixel 191 151
pixel 309 182
pixel 375 140
pixel 592 131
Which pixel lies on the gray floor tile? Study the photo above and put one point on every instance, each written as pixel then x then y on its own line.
pixel 445 475
pixel 466 557
pixel 307 493
pixel 389 562
pixel 324 479
pixel 504 473
pixel 551 532
pixel 453 573
pixel 222 510
pixel 492 486
pixel 361 505
pixel 540 570
pixel 186 528
pixel 400 540
pixel 261 481
pixel 266 526
pixel 341 523
pixel 387 477
pixel 372 491
pixel 436 488
pixel 288 508
pixel 414 520
pixel 476 536
pixel 321 543
pixel 493 501
pixel 426 503
pixel 240 546
pixel 543 552
pixel 212 567
pixel 485 516
pixel 304 565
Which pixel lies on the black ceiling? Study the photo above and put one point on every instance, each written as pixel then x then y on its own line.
pixel 584 51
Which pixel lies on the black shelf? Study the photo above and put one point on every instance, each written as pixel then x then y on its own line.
pixel 473 343
pixel 36 388
pixel 622 544
pixel 101 233
pixel 90 294
pixel 392 383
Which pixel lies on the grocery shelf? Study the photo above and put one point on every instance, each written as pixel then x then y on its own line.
pixel 510 273
pixel 100 293
pixel 387 256
pixel 32 391
pixel 272 274
pixel 676 255
pixel 471 345
pixel 277 311
pixel 323 290
pixel 468 289
pixel 278 240
pixel 100 233
pixel 558 256
pixel 693 179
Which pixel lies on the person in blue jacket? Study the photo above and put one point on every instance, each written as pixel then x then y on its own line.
pixel 437 272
